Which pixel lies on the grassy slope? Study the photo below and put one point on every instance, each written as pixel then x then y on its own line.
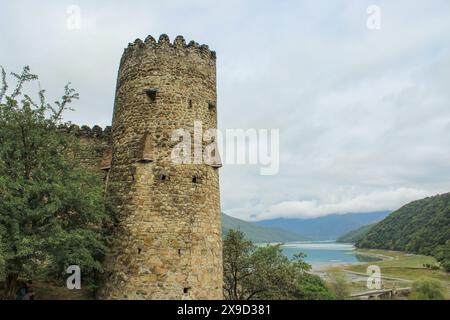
pixel 256 233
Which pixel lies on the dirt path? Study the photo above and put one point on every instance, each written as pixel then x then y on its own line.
pixel 365 276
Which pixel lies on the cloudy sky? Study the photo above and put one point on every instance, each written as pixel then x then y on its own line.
pixel 364 115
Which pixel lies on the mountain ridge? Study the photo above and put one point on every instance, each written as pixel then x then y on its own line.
pixel 257 233
pixel 329 227
pixel 355 235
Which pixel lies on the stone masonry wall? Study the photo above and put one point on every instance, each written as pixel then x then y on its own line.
pixel 168 238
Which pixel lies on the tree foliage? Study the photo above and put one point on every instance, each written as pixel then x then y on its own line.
pixel 427 289
pixel 264 272
pixel 339 286
pixel 51 207
pixel 421 227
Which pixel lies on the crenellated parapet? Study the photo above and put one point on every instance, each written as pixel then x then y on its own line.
pixel 139 53
pixel 95 132
pixel 178 46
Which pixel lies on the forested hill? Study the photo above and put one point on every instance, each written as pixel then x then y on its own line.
pixel 355 235
pixel 421 227
pixel 256 233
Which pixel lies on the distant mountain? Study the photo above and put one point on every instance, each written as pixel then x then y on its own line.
pixel 256 233
pixel 355 235
pixel 421 227
pixel 326 228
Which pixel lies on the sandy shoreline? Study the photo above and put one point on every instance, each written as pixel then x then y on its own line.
pixel 320 267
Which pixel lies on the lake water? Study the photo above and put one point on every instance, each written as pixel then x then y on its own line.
pixel 325 252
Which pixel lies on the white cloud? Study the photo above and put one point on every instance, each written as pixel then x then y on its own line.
pixel 372 202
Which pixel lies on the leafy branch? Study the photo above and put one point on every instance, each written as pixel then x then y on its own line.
pixel 56 111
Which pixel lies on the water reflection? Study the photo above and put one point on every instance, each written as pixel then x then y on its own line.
pixel 326 252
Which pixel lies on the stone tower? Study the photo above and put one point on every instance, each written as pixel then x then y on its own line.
pixel 168 230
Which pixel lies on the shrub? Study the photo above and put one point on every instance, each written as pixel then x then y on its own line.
pixel 427 289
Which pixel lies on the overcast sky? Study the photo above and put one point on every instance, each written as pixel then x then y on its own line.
pixel 364 115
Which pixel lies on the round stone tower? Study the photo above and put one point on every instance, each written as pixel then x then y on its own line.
pixel 168 222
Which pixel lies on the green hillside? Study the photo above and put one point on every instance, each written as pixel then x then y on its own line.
pixel 355 235
pixel 256 233
pixel 421 227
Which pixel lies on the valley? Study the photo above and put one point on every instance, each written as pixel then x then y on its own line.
pixel 398 270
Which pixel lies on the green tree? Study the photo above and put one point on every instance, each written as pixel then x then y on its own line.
pixel 443 255
pixel 52 208
pixel 252 272
pixel 2 250
pixel 339 286
pixel 237 264
pixel 427 289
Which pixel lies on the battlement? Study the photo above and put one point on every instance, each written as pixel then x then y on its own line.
pixel 96 132
pixel 178 46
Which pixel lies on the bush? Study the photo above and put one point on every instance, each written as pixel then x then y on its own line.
pixel 446 265
pixel 427 289
pixel 442 254
pixel 340 288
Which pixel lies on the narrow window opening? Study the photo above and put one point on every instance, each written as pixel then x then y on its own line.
pixel 190 104
pixel 211 106
pixel 186 290
pixel 162 177
pixel 151 94
pixel 195 179
pixel 139 250
pixel 179 252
